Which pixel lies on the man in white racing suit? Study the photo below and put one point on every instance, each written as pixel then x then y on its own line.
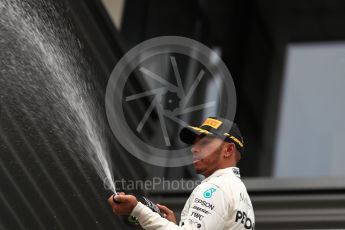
pixel 221 201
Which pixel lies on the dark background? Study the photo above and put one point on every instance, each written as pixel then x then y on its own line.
pixel 45 186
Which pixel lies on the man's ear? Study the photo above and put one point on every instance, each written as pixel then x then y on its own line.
pixel 229 149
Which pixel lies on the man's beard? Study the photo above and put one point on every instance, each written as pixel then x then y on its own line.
pixel 203 163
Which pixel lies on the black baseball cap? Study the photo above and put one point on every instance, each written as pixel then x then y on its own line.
pixel 219 127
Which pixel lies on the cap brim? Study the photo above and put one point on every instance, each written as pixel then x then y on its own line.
pixel 189 134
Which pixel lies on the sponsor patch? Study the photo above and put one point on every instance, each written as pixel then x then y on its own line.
pixel 208 193
pixel 197 215
pixel 198 225
pixel 212 123
pixel 200 209
pixel 204 203
pixel 241 217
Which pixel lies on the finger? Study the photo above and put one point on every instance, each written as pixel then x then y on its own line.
pixel 114 200
pixel 120 198
pixel 114 197
pixel 110 200
pixel 164 209
pixel 161 206
pixel 117 198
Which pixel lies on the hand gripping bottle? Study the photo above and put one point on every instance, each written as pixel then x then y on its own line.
pixel 142 199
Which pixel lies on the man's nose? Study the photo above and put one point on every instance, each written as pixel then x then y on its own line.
pixel 195 149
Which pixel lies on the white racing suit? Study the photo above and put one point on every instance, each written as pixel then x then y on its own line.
pixel 221 201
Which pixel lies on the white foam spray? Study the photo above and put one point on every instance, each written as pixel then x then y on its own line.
pixel 60 58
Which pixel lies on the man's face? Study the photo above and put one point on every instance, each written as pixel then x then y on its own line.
pixel 207 154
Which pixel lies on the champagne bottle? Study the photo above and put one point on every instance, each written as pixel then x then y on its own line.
pixel 145 201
